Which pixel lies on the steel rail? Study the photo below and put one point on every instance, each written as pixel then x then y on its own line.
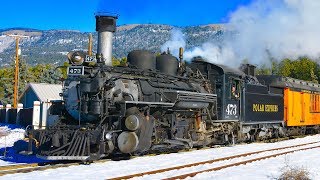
pixel 238 163
pixel 207 162
pixel 25 168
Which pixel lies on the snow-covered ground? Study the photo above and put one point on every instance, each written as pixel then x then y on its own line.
pixel 9 134
pixel 13 134
pixel 264 169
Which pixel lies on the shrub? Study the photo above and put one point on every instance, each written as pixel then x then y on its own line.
pixel 294 173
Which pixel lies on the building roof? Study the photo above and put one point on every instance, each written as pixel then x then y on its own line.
pixel 44 91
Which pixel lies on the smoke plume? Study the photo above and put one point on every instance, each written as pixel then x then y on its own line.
pixel 177 40
pixel 263 30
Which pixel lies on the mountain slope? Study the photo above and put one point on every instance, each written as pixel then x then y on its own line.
pixel 52 46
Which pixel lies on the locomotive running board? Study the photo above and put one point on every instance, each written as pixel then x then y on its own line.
pixel 262 122
pixel 78 158
pixel 150 103
pixel 186 96
pixel 225 120
pixel 190 100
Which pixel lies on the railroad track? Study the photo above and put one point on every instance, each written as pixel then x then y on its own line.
pixel 294 148
pixel 25 168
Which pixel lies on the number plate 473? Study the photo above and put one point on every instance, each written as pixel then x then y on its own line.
pixel 231 109
pixel 76 71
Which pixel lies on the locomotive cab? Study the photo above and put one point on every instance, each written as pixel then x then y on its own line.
pixel 243 99
pixel 228 85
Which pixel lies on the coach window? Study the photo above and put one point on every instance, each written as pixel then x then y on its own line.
pixel 313 103
pixel 317 103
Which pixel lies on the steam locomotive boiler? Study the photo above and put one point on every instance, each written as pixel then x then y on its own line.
pixel 153 104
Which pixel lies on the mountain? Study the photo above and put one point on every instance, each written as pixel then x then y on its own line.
pixel 51 46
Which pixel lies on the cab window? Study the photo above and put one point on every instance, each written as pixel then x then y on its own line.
pixel 234 89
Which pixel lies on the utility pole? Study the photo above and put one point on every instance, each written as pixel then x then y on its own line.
pixel 16 72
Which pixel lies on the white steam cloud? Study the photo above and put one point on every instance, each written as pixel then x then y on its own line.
pixel 177 40
pixel 264 29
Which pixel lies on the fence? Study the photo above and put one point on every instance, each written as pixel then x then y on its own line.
pixel 2 114
pixel 17 116
pixel 39 116
pixel 26 117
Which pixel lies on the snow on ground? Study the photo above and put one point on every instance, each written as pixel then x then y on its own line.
pixel 270 168
pixel 9 134
pixel 264 169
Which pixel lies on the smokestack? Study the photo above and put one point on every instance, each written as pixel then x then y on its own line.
pixel 248 69
pixel 105 26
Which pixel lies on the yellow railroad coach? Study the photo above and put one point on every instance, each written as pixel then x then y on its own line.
pixel 301 99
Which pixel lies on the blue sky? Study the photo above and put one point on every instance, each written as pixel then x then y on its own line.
pixel 79 14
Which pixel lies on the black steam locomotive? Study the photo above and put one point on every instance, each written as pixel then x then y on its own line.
pixel 154 103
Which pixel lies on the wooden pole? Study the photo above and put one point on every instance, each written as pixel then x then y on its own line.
pixel 16 76
pixel 16 72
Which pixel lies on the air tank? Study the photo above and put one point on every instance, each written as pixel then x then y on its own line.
pixel 168 64
pixel 142 59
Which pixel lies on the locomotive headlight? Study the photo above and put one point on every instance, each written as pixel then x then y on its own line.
pixel 76 58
